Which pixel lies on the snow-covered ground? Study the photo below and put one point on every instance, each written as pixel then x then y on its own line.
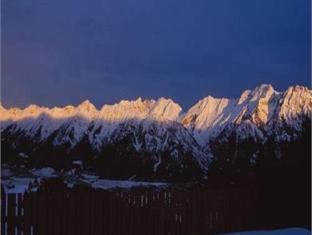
pixel 287 231
pixel 44 172
pixel 19 183
pixel 16 184
pixel 108 184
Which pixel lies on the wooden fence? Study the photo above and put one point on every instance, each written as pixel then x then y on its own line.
pixel 147 212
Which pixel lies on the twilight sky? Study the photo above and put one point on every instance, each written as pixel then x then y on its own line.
pixel 56 52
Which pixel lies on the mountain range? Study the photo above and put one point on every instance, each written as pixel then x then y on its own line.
pixel 157 139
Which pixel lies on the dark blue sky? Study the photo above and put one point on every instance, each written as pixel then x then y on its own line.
pixel 56 52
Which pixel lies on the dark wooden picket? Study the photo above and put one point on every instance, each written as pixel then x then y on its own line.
pixel 157 212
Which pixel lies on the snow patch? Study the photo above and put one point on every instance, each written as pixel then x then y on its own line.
pixel 288 231
pixel 110 184
pixel 44 172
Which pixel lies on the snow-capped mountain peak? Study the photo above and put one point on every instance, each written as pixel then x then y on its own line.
pixel 205 120
pixel 296 101
pixel 154 133
pixel 254 109
pixel 165 109
pixel 259 105
pixel 87 105
pixel 162 109
pixel 264 91
pixel 87 110
pixel 137 109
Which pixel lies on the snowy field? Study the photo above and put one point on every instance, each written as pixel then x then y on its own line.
pixel 19 183
pixel 288 231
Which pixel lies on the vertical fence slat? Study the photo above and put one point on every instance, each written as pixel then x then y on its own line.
pixel 198 210
pixel 3 210
pixel 11 214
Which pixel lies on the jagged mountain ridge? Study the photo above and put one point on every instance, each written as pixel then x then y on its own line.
pixel 159 129
pixel 256 112
pixel 145 130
